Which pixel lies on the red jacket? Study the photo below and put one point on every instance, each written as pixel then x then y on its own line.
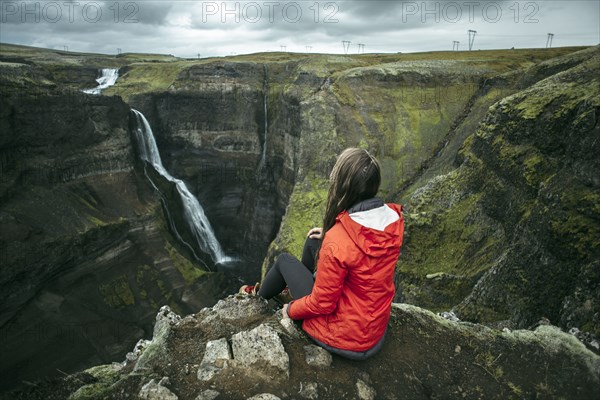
pixel 350 303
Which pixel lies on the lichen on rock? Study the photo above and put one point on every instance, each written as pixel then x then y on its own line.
pixel 261 350
pixel 423 355
pixel 155 351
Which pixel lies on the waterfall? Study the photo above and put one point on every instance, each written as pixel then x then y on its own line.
pixel 194 214
pixel 108 78
pixel 263 158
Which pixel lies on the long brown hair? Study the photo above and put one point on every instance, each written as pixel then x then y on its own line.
pixel 356 176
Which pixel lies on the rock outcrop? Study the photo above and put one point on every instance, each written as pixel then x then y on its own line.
pixel 252 356
pixel 510 236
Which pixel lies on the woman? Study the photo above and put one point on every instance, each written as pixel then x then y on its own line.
pixel 346 307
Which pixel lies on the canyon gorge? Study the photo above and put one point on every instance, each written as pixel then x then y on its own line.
pixel 494 155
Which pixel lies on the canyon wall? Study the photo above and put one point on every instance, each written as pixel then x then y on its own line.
pixel 492 153
pixel 85 251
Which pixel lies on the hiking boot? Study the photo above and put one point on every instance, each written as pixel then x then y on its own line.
pixel 250 290
pixel 284 297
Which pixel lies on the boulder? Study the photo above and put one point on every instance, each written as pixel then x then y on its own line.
pixel 316 356
pixel 156 391
pixel 261 351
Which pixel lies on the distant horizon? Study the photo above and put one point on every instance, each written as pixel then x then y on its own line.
pixel 203 29
pixel 286 52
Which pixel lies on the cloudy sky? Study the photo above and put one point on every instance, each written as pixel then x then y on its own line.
pixel 219 28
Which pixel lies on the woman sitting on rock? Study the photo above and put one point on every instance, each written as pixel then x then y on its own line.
pixel 345 302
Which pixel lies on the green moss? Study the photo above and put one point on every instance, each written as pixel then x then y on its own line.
pixel 117 293
pixel 487 361
pixel 305 211
pixel 186 268
pixel 580 232
pixel 90 392
pixel 525 160
pixel 404 121
pixel 306 207
pixel 592 327
pixel 538 169
pixel 90 202
pixel 515 389
pixel 449 239
pixel 441 247
pixel 147 77
pixel 344 94
pixel 509 154
pixel 104 373
pixel 544 390
pixel 163 289
pixel 106 376
pixel 146 278
pixel 575 223
pixel 96 221
pixel 140 273
pixel 555 96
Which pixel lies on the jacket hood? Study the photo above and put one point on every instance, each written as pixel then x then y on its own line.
pixel 375 231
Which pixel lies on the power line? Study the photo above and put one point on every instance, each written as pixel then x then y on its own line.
pixel 472 34
pixel 538 35
pixel 346 44
pixel 579 34
pixel 549 40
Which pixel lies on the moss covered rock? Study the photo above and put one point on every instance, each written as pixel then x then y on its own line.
pixel 516 224
pixel 424 356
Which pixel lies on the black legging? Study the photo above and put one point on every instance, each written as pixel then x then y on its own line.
pixel 287 271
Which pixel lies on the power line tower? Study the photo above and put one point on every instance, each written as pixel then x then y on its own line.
pixel 549 40
pixel 361 48
pixel 455 45
pixel 308 49
pixel 472 34
pixel 283 48
pixel 346 44
pixel 118 50
pixel 198 56
pixel 66 48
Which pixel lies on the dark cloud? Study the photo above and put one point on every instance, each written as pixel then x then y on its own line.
pixel 222 28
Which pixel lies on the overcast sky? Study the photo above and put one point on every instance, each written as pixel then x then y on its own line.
pixel 218 28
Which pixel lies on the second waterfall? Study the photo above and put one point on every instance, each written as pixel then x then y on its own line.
pixel 194 214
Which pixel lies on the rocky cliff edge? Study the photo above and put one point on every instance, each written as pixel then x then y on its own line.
pixel 242 349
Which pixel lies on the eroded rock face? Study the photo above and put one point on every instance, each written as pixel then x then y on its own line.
pixel 233 138
pixel 85 257
pixel 155 351
pixel 529 200
pixel 505 237
pixel 424 355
